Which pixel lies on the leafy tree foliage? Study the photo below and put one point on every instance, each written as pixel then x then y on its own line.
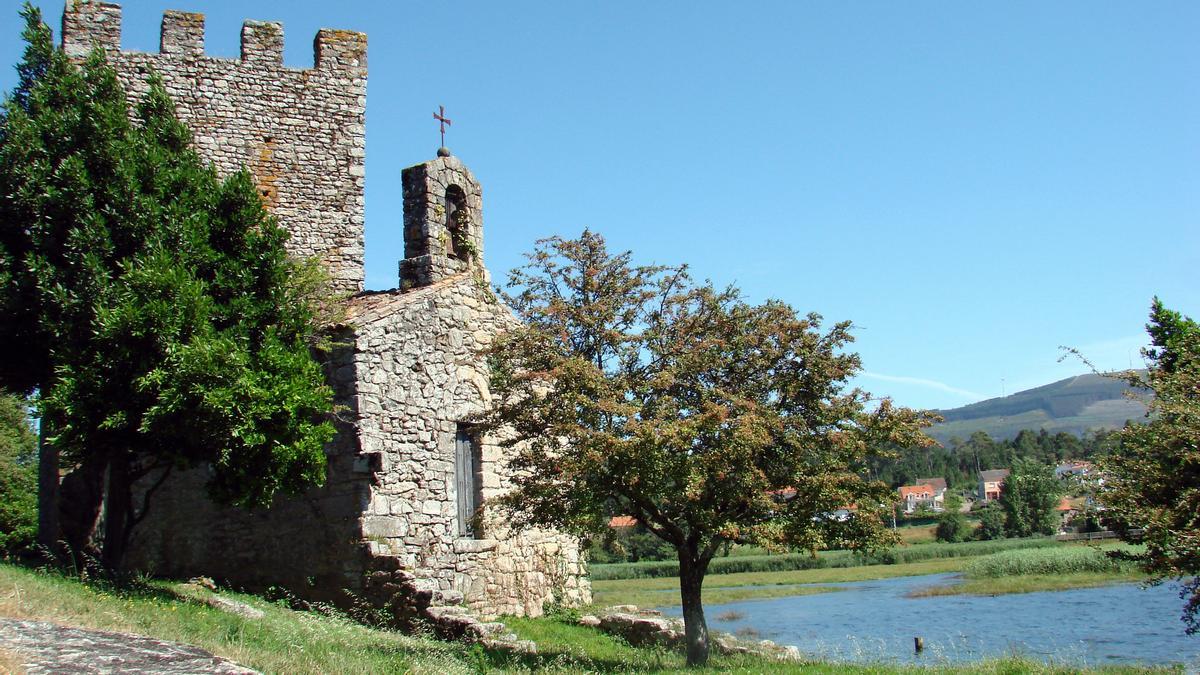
pixel 1154 483
pixel 991 521
pixel 960 461
pixel 633 390
pixel 952 502
pixel 18 476
pixel 952 526
pixel 629 544
pixel 1029 497
pixel 151 304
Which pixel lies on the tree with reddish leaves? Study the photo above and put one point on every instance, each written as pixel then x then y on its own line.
pixel 634 390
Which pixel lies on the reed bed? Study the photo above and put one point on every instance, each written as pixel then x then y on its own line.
pixel 824 559
pixel 1046 561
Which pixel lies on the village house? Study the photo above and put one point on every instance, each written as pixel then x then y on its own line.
pixel 403 521
pixel 622 522
pixel 926 493
pixel 916 497
pixel 991 483
pixel 1073 469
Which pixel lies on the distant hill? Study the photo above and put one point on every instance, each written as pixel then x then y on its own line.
pixel 1074 405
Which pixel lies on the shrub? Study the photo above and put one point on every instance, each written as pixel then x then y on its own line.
pixel 953 527
pixel 991 522
pixel 18 477
pixel 630 544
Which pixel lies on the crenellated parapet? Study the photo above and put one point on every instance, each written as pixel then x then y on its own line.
pixel 300 131
pixel 94 23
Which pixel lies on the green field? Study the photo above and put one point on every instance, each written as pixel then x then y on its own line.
pixel 822 560
pixel 722 588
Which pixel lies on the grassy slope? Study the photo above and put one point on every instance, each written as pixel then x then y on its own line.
pixel 285 641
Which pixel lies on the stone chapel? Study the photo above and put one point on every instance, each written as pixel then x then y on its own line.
pixel 402 521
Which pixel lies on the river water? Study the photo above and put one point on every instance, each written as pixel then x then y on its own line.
pixel 877 621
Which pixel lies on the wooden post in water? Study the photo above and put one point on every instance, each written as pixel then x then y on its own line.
pixel 918 645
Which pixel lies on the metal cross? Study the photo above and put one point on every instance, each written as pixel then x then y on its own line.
pixel 443 122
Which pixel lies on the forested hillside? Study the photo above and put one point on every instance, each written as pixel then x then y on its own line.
pixel 959 461
pixel 1075 405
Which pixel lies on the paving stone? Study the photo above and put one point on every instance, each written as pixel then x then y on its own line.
pixel 49 649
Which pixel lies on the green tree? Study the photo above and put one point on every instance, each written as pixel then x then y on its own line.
pixel 634 391
pixel 1152 483
pixel 952 526
pixel 18 476
pixel 991 521
pixel 952 502
pixel 1029 497
pixel 151 304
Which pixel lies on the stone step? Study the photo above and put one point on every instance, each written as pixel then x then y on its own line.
pixel 490 628
pixel 438 612
pixel 446 598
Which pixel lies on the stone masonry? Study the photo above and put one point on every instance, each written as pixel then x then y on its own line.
pixel 299 132
pixel 403 521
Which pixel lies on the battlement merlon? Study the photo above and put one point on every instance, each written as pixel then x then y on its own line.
pixel 95 23
pixel 87 24
pixel 182 33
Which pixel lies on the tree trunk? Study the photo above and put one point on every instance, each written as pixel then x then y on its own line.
pixel 47 493
pixel 80 498
pixel 691 580
pixel 117 504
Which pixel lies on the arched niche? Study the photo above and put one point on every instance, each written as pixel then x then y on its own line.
pixel 458 223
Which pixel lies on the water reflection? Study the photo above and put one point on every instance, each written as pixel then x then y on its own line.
pixel 876 620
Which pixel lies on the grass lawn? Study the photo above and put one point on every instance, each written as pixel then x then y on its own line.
pixel 287 641
pixel 722 588
pixel 917 534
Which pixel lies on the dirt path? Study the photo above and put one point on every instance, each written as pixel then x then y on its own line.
pixel 46 648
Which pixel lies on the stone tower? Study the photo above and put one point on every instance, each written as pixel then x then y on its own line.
pixel 299 131
pixel 405 518
pixel 443 221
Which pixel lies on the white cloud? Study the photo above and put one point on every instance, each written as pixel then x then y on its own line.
pixel 929 384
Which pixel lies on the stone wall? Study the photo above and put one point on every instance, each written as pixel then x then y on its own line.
pixel 420 376
pixel 299 131
pixel 409 373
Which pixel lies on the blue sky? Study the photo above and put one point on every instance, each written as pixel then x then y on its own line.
pixel 972 184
